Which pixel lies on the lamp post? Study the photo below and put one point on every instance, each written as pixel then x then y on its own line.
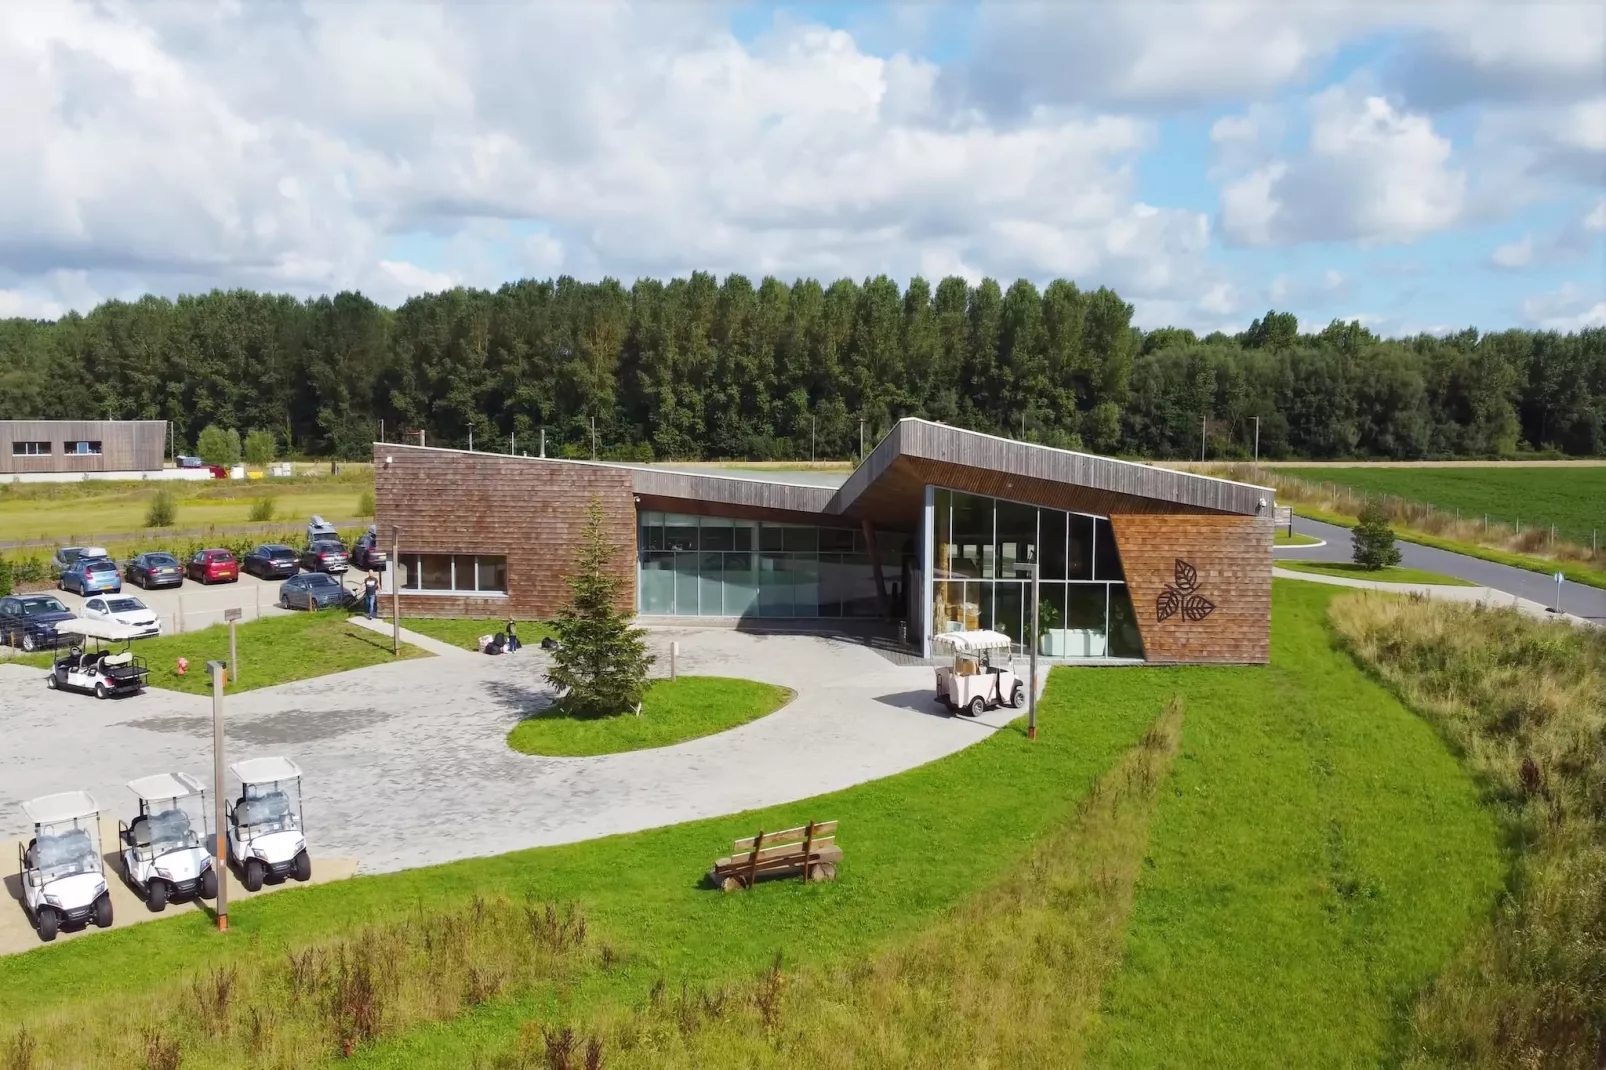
pixel 1257 442
pixel 217 669
pixel 1031 686
pixel 395 589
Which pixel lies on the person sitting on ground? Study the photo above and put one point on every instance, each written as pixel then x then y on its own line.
pixel 513 636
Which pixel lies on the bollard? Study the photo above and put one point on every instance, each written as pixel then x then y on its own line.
pixel 674 654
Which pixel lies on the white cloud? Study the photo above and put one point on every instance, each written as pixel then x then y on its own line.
pixel 1370 173
pixel 1566 309
pixel 409 278
pixel 1517 254
pixel 1595 218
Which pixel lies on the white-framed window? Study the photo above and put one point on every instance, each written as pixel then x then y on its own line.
pixel 484 574
pixel 80 448
pixel 30 449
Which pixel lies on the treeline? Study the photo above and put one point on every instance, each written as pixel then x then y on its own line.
pixel 699 368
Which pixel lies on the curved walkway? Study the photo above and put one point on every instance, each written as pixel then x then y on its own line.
pixel 407 765
pixel 1588 603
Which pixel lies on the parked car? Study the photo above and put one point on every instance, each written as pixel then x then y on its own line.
pixel 127 610
pixel 64 558
pixel 213 566
pixel 92 575
pixel 271 561
pixel 154 569
pixel 325 555
pixel 314 590
pixel 29 620
pixel 366 554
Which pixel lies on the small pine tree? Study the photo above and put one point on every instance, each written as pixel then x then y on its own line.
pixel 1373 538
pixel 601 662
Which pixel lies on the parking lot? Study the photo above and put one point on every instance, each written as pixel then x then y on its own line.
pixel 196 605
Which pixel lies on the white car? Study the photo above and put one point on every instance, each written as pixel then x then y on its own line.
pixel 265 822
pixel 62 881
pixel 165 850
pixel 123 609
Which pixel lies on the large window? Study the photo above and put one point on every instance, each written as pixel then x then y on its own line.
pixel 691 566
pixel 454 574
pixel 979 544
pixel 81 449
pixel 30 449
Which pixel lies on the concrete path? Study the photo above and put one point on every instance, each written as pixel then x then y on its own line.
pixel 422 642
pixel 1485 595
pixel 1576 598
pixel 407 763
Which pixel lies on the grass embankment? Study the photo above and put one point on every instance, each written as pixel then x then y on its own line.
pixel 1525 701
pixel 1296 539
pixel 464 632
pixel 1313 858
pixel 672 711
pixel 273 650
pixel 1392 574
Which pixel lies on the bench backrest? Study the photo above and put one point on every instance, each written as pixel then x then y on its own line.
pixel 783 846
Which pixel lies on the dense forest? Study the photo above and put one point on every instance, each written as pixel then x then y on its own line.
pixel 698 368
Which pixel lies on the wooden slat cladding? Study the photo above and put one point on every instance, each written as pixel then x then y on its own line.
pixel 1231 556
pixel 530 509
pixel 693 507
pixel 126 445
pixel 732 490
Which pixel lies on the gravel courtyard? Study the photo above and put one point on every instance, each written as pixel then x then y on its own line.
pixel 407 765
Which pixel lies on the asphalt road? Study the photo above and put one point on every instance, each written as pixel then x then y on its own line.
pixel 1577 599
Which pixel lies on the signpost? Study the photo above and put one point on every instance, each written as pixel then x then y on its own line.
pixel 1557 608
pixel 218 669
pixel 233 617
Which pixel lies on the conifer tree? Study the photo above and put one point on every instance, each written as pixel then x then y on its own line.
pixel 1373 538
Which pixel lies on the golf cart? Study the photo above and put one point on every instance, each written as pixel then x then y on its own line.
pixel 89 667
pixel 62 880
pixel 265 822
pixel 164 856
pixel 973 684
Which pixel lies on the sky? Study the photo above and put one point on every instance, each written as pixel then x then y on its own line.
pixel 1418 166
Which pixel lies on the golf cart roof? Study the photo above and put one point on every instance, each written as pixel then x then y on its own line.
pixel 266 770
pixel 166 786
pixel 107 630
pixel 973 642
pixel 63 806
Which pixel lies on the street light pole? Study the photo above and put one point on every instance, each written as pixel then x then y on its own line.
pixel 395 589
pixel 1031 688
pixel 1257 442
pixel 221 862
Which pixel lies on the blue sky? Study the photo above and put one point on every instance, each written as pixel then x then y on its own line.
pixel 1421 167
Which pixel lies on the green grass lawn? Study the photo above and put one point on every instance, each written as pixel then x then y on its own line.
pixel 273 650
pixel 1316 855
pixel 1296 539
pixel 464 632
pixel 1392 574
pixel 1573 499
pixel 673 711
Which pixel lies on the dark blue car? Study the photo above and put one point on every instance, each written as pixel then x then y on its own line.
pixel 29 621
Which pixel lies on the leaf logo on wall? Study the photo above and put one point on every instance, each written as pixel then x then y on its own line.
pixel 1183 596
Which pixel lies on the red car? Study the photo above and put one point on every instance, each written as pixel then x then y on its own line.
pixel 213 566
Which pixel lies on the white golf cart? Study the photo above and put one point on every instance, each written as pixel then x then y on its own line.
pixel 62 879
pixel 88 666
pixel 265 822
pixel 164 856
pixel 973 684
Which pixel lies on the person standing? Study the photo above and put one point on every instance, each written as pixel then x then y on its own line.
pixel 370 594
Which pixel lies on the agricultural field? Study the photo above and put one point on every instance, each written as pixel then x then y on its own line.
pixel 1573 498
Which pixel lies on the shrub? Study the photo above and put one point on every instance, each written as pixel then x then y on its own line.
pixel 5 577
pixel 1373 538
pixel 163 511
pixel 365 504
pixel 262 509
pixel 260 446
pixel 218 446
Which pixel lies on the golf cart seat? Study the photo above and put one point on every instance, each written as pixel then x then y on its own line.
pixel 139 833
pixel 114 660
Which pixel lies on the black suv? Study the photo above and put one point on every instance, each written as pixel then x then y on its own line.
pixel 271 561
pixel 325 555
pixel 366 554
pixel 29 621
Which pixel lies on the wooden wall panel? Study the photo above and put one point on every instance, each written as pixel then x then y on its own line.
pixel 126 445
pixel 1231 556
pixel 531 509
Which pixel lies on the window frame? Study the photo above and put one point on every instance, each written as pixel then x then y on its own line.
pixel 71 448
pixel 461 563
pixel 19 448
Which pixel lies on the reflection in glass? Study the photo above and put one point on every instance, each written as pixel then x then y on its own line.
pixel 1106 560
pixel 1125 641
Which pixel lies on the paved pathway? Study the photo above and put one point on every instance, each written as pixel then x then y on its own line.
pixel 422 642
pixel 1576 599
pixel 1486 595
pixel 407 763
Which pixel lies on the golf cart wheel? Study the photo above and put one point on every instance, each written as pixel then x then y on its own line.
pixel 253 876
pixel 1017 697
pixel 103 911
pixel 209 884
pixel 100 691
pixel 50 681
pixel 301 868
pixel 156 895
pixel 977 707
pixel 49 921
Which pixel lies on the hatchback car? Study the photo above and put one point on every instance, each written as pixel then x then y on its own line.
pixel 126 610
pixel 325 555
pixel 271 561
pixel 92 575
pixel 154 569
pixel 314 590
pixel 213 566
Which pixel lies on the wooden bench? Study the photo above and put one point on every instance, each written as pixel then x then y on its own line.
pixel 810 851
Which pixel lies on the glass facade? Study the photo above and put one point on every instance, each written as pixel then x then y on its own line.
pixel 1084 609
pixel 709 566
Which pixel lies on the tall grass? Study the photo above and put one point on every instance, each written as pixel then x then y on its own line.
pixel 325 1000
pixel 1012 978
pixel 1524 701
pixel 1417 516
pixel 262 509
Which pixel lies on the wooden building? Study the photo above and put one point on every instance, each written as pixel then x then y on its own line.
pixel 939 529
pixel 90 446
